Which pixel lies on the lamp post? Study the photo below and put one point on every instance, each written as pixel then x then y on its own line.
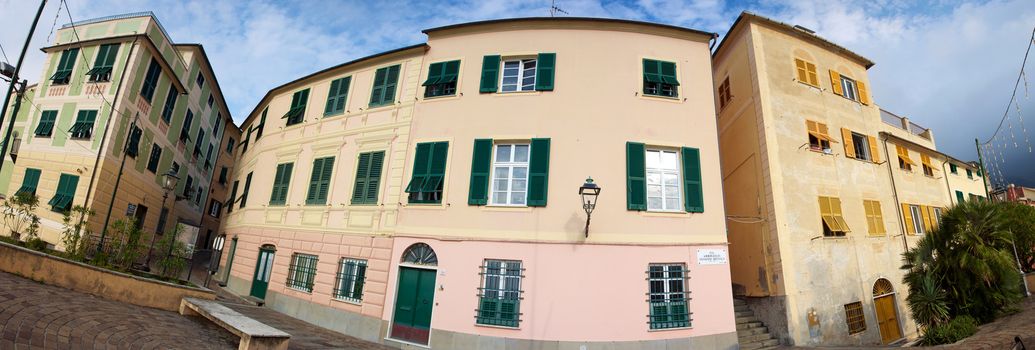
pixel 589 192
pixel 169 181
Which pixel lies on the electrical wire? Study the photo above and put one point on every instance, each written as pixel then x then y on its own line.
pixel 8 60
pixel 1013 96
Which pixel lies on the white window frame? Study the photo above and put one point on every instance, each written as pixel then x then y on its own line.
pixel 666 293
pixel 862 146
pixel 918 219
pixel 510 164
pixel 661 172
pixel 340 285
pixel 502 277
pixel 214 210
pixel 849 89
pixel 521 74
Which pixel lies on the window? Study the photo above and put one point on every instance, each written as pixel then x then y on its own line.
pixel 926 161
pixel 351 276
pixel 208 156
pixel 368 177
pixel 518 75
pixel 848 89
pixel 233 198
pixel 46 126
pixel 429 167
pixel 510 174
pixel 860 146
pixel 819 137
pixel 198 195
pixel 244 193
pixel 953 169
pixel 320 181
pixel 663 180
pixel 101 71
pixel 296 114
pixel 806 72
pixel 152 161
pixel 668 296
pixel 222 175
pixel 280 184
pixel 198 142
pixel 834 224
pixel 65 65
pixel 247 139
pixel 83 127
pixel 500 294
pixel 959 197
pixel 874 218
pixel 214 208
pixel 385 81
pixel 442 77
pixel 133 145
pixel 151 81
pixel 335 97
pixel 189 187
pixel 970 174
pixel 262 124
pixel 659 78
pixel 903 158
pixel 855 317
pixel 185 130
pixel 29 182
pixel 230 145
pixel 200 80
pixel 302 272
pixel 62 200
pixel 210 100
pixel 937 217
pixel 917 218
pixel 217 122
pixel 724 93
pixel 170 105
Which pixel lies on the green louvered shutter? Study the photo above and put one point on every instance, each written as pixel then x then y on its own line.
pixel 320 181
pixel 538 172
pixel 635 176
pixel 314 179
pixel 668 73
pixel 959 197
pixel 435 72
pixel 30 182
pixel 420 167
pixel 437 168
pixel 692 188
pixel 325 179
pixel 244 193
pixel 133 146
pixel 368 178
pixel 651 71
pixel 280 184
pixel 480 163
pixel 336 96
pixel 490 73
pixel 544 71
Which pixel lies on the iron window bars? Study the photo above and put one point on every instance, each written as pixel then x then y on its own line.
pixel 302 272
pixel 500 294
pixel 351 277
pixel 668 296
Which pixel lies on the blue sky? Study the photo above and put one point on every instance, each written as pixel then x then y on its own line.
pixel 948 65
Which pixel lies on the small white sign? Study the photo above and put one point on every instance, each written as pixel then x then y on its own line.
pixel 712 257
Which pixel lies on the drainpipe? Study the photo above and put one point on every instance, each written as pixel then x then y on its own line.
pixel 894 191
pixel 945 173
pixel 107 125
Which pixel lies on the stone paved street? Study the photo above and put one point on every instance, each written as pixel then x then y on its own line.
pixel 304 335
pixel 39 316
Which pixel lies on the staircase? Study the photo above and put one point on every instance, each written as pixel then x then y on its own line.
pixel 751 333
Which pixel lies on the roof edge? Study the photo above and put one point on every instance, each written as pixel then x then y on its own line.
pixel 577 19
pixel 790 28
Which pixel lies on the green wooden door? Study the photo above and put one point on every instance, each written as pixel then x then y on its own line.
pixel 413 305
pixel 261 279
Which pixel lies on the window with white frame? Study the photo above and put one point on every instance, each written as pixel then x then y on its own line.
pixel 937 216
pixel 849 89
pixel 663 180
pixel 518 75
pixel 500 294
pixel 215 208
pixel 918 219
pixel 351 276
pixel 668 296
pixel 861 146
pixel 510 174
pixel 302 272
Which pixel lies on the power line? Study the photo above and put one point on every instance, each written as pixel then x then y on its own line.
pixel 1013 96
pixel 8 60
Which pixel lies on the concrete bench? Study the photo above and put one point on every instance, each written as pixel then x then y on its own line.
pixel 254 334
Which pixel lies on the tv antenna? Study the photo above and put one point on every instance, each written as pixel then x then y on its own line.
pixel 554 9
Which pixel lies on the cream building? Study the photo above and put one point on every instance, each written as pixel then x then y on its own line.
pixel 427 196
pixel 825 190
pixel 112 85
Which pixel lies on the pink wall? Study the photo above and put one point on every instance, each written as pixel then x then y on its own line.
pixel 572 292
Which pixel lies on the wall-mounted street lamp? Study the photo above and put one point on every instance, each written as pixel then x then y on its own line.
pixel 169 181
pixel 589 192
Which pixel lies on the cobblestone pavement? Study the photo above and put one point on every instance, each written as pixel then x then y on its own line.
pixel 304 335
pixel 39 316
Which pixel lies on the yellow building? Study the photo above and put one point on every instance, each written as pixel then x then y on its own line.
pixel 824 190
pixel 119 105
pixel 427 196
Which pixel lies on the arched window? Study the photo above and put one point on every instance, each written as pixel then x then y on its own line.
pixel 882 287
pixel 420 254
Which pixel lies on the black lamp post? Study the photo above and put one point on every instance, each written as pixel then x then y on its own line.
pixel 169 181
pixel 589 192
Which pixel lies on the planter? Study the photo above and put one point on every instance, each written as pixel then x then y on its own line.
pixel 80 277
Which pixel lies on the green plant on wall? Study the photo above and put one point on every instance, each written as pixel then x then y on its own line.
pixel 172 251
pixel 124 243
pixel 19 214
pixel 76 234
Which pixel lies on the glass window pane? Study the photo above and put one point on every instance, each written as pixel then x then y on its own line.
pixel 521 153
pixel 671 179
pixel 653 159
pixel 654 203
pixel 517 198
pixel 519 185
pixel 499 185
pixel 499 197
pixel 520 172
pixel 669 160
pixel 653 178
pixel 671 203
pixel 502 172
pixel 653 190
pixel 503 153
pixel 671 191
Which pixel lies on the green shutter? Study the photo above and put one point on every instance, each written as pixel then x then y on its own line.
pixel 368 178
pixel 692 188
pixel 133 145
pixel 260 127
pixel 635 176
pixel 544 71
pixel 325 179
pixel 320 181
pixel 385 81
pixel 65 194
pixel 336 96
pixel 435 73
pixel 450 72
pixel 46 125
pixel 244 193
pixel 668 73
pixel 437 168
pixel 651 71
pixel 280 184
pixel 421 160
pixel 490 73
pixel 480 163
pixel 538 172
pixel 30 182
pixel 952 168
pixel 959 197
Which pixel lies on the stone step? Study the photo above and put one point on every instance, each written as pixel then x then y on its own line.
pixel 753 338
pixel 739 302
pixel 753 331
pixel 743 313
pixel 770 342
pixel 746 319
pixel 751 346
pixel 749 325
pixel 741 308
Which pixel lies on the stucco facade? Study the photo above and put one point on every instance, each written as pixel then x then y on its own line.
pixel 430 247
pixel 143 66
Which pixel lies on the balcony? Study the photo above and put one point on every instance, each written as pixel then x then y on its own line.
pixel 904 123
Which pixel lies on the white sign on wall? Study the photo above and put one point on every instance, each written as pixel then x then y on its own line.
pixel 712 257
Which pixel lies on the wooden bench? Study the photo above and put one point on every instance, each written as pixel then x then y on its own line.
pixel 254 334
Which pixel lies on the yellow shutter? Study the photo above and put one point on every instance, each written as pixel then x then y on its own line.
pixel 825 213
pixel 813 77
pixel 907 217
pixel 878 216
pixel 925 213
pixel 835 83
pixel 871 226
pixel 803 74
pixel 849 144
pixel 823 130
pixel 835 211
pixel 874 151
pixel 864 96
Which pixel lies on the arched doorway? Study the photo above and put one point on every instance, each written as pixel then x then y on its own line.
pixel 415 294
pixel 887 313
pixel 263 268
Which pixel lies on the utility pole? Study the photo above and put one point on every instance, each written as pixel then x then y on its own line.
pixel 14 113
pixel 14 78
pixel 981 164
pixel 118 180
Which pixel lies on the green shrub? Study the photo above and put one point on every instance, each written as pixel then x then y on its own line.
pixel 37 244
pixel 76 234
pixel 948 333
